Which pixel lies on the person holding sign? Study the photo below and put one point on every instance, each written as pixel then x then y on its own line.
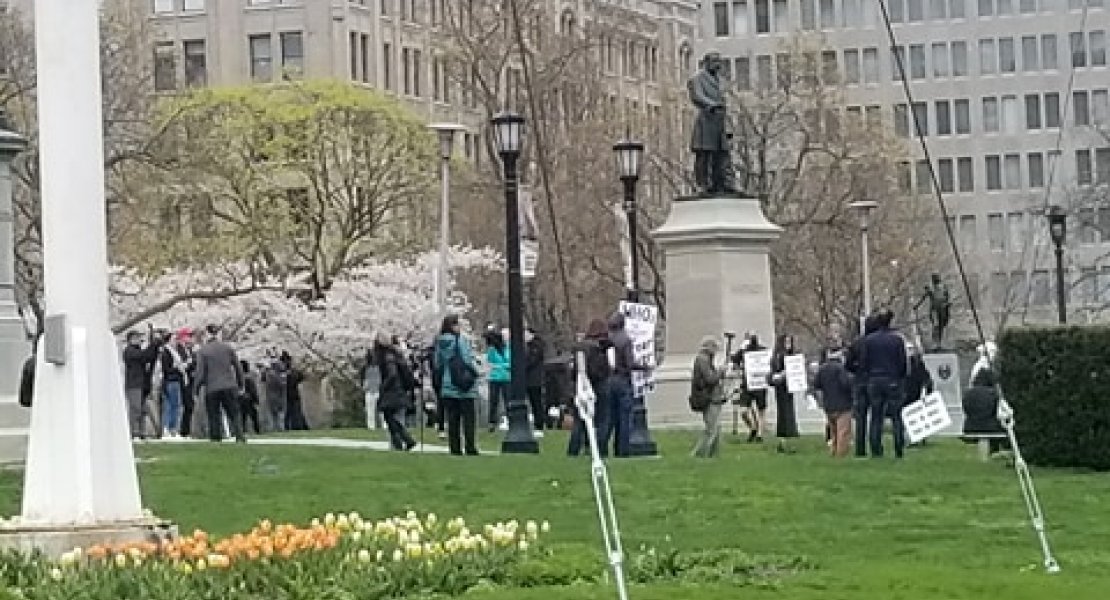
pixel 786 421
pixel 753 401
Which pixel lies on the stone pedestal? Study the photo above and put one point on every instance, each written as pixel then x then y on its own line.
pixel 14 347
pixel 718 278
pixel 944 368
pixel 55 541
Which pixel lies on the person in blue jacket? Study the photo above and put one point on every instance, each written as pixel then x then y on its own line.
pixel 458 403
pixel 499 359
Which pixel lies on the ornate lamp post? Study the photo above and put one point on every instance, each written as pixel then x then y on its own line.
pixel 629 158
pixel 865 207
pixel 1058 230
pixel 508 131
pixel 446 133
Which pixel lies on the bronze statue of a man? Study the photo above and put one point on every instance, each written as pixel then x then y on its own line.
pixel 710 140
pixel 940 307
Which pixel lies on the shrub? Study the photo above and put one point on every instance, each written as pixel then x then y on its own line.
pixel 1058 381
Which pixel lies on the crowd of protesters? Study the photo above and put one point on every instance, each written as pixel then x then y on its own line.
pixel 193 384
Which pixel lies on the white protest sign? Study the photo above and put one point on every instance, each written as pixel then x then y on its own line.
pixel 640 321
pixel 757 366
pixel 796 377
pixel 926 417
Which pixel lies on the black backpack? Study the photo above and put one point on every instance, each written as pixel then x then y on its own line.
pixel 597 363
pixel 463 376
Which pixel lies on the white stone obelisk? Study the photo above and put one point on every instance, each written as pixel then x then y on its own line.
pixel 80 464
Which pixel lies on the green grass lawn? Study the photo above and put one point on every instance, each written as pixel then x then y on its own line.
pixel 938 526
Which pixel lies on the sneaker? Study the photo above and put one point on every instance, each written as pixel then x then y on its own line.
pixel 504 426
pixel 539 434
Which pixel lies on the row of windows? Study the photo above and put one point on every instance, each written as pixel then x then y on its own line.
pixel 745 17
pixel 1012 171
pixel 1038 288
pixel 1008 114
pixel 1008 232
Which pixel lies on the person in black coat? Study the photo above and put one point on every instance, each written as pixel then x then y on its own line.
pixel 786 421
pixel 294 406
pixel 397 384
pixel 137 361
pixel 853 362
pixel 249 399
pixel 533 376
pixel 753 403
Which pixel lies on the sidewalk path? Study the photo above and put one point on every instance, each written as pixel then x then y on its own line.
pixel 375 445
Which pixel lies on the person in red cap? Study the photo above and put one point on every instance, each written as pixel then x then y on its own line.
pixel 177 368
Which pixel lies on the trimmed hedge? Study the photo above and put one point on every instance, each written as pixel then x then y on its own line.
pixel 1058 381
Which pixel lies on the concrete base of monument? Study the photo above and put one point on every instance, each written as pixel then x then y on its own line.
pixel 669 404
pixel 53 541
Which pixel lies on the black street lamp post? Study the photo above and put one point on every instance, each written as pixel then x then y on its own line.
pixel 629 160
pixel 1058 230
pixel 629 156
pixel 508 131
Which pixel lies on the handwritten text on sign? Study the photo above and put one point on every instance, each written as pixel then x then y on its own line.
pixel 640 321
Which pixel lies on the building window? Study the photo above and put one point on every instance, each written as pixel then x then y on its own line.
pixel 871 65
pixel 969 237
pixel 164 6
pixel 781 16
pixel 1102 166
pixel 720 18
pixel 915 11
pixel 938 9
pixel 1030 54
pixel 996 232
pixel 898 67
pixel 743 73
pixel 1036 169
pixel 1032 111
pixel 852 16
pixel 957 9
pixel 763 16
pixel 262 58
pixel 965 173
pixel 741 24
pixel 809 15
pixel 1084 169
pixel 1081 106
pixel 1007 62
pixel 990 115
pixel 901 120
pixel 196 63
pixel 1005 7
pixel 827 10
pixel 994 172
pixel 851 66
pixel 986 8
pixel 988 58
pixel 897 9
pixel 917 61
pixel 1078 49
pixel 940 59
pixel 1052 110
pixel 1027 7
pixel 963 116
pixel 921 118
pixel 1098 48
pixel 1041 294
pixel 1016 223
pixel 292 54
pixel 1100 106
pixel 924 179
pixel 905 177
pixel 1011 122
pixel 1049 58
pixel 947 175
pixel 387 64
pixel 194 5
pixel 165 67
pixel 417 74
pixel 959 59
pixel 352 50
pixel 943 109
pixel 1012 171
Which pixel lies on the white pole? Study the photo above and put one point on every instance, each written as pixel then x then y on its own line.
pixel 444 234
pixel 866 269
pixel 79 436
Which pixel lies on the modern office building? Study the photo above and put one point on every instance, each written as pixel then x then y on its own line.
pixel 1010 94
pixel 396 46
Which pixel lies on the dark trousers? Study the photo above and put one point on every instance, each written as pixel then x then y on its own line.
pixel 227 401
pixel 498 395
pixel 459 414
pixel 250 413
pixel 886 392
pixel 861 411
pixel 188 403
pixel 399 437
pixel 539 415
pixel 294 414
pixel 711 170
pixel 616 419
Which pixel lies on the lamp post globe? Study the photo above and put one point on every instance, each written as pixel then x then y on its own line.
pixel 1058 231
pixel 508 133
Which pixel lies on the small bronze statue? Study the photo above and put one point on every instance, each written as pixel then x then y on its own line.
pixel 710 140
pixel 940 308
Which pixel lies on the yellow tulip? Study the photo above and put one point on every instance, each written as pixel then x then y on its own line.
pixel 545 527
pixel 56 574
pixel 364 556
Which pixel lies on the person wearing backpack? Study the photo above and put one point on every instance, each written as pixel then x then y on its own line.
pixel 396 385
pixel 706 397
pixel 594 347
pixel 454 359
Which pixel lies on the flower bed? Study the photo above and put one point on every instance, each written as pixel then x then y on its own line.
pixel 344 553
